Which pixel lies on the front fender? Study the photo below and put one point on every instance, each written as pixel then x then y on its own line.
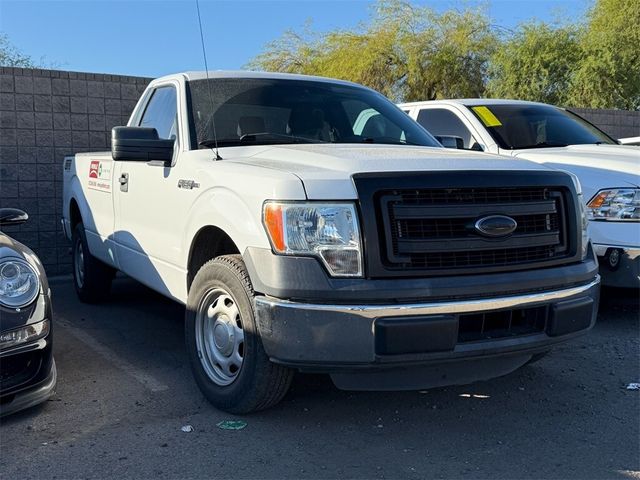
pixel 223 208
pixel 235 206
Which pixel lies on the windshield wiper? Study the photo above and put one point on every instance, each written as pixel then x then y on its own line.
pixel 541 145
pixel 387 141
pixel 253 138
pixel 225 142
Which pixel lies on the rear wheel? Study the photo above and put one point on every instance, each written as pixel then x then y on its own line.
pixel 91 277
pixel 224 346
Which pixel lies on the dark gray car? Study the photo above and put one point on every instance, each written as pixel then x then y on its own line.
pixel 27 368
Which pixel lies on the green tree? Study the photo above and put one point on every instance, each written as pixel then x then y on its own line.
pixel 406 52
pixel 536 63
pixel 608 75
pixel 10 56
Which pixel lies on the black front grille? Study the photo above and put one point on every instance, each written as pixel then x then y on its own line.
pixel 507 323
pixel 431 229
pixel 473 195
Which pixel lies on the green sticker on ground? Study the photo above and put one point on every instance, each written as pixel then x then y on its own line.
pixel 231 425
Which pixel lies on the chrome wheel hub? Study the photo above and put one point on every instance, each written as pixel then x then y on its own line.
pixel 219 336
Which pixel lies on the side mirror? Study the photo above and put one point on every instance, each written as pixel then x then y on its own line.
pixel 12 216
pixel 140 144
pixel 449 141
pixel 629 141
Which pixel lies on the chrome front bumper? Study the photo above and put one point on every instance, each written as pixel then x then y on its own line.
pixel 335 336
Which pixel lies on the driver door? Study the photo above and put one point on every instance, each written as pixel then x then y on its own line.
pixel 148 225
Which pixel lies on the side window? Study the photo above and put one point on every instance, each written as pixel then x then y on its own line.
pixel 439 121
pixel 161 112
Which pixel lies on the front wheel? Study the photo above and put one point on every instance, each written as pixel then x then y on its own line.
pixel 224 346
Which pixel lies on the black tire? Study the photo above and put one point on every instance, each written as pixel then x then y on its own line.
pixel 258 383
pixel 536 357
pixel 91 277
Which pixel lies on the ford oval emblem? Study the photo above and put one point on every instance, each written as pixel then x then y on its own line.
pixel 495 226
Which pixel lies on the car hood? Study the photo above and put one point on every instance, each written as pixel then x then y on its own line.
pixel 326 169
pixel 597 166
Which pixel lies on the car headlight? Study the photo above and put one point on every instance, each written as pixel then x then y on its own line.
pixel 19 283
pixel 25 334
pixel 616 205
pixel 328 231
pixel 584 224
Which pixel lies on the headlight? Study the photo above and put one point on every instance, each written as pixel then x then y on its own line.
pixel 25 334
pixel 19 283
pixel 616 205
pixel 584 224
pixel 328 231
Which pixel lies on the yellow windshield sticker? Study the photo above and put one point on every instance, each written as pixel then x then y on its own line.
pixel 487 117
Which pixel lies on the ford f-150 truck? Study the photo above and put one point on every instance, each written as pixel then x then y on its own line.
pixel 608 172
pixel 309 225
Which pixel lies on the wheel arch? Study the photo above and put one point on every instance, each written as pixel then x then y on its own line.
pixel 208 243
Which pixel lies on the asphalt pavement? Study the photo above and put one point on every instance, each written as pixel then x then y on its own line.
pixel 125 391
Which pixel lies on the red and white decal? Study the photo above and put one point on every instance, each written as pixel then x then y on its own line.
pixel 93 168
pixel 100 175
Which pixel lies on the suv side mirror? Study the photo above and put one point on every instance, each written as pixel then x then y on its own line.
pixel 140 144
pixel 12 216
pixel 449 141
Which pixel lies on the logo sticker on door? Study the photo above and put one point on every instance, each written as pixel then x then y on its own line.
pixel 100 175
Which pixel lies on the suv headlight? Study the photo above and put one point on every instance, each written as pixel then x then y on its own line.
pixel 616 205
pixel 328 231
pixel 584 224
pixel 19 283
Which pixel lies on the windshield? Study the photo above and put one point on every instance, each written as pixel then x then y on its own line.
pixel 536 126
pixel 257 111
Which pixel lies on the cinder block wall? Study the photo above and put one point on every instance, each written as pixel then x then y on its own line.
pixel 616 123
pixel 45 115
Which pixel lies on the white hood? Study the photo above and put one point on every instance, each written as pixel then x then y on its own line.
pixel 597 166
pixel 326 169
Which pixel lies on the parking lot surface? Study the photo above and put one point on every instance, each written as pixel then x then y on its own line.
pixel 125 391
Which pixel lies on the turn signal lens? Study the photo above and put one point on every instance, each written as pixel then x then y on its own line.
pixel 273 223
pixel 23 335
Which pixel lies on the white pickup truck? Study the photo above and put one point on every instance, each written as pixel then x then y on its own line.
pixel 309 225
pixel 609 172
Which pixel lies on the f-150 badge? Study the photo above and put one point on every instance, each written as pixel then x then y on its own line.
pixel 188 184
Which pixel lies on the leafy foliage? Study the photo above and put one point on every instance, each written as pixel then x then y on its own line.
pixel 10 56
pixel 412 53
pixel 608 75
pixel 405 52
pixel 535 64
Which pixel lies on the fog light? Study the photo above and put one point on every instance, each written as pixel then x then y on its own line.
pixel 26 334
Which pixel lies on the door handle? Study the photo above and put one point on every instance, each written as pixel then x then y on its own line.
pixel 124 182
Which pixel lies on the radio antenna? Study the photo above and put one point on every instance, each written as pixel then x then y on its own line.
pixel 206 69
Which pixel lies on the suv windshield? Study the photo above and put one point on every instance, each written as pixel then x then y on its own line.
pixel 258 111
pixel 537 126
